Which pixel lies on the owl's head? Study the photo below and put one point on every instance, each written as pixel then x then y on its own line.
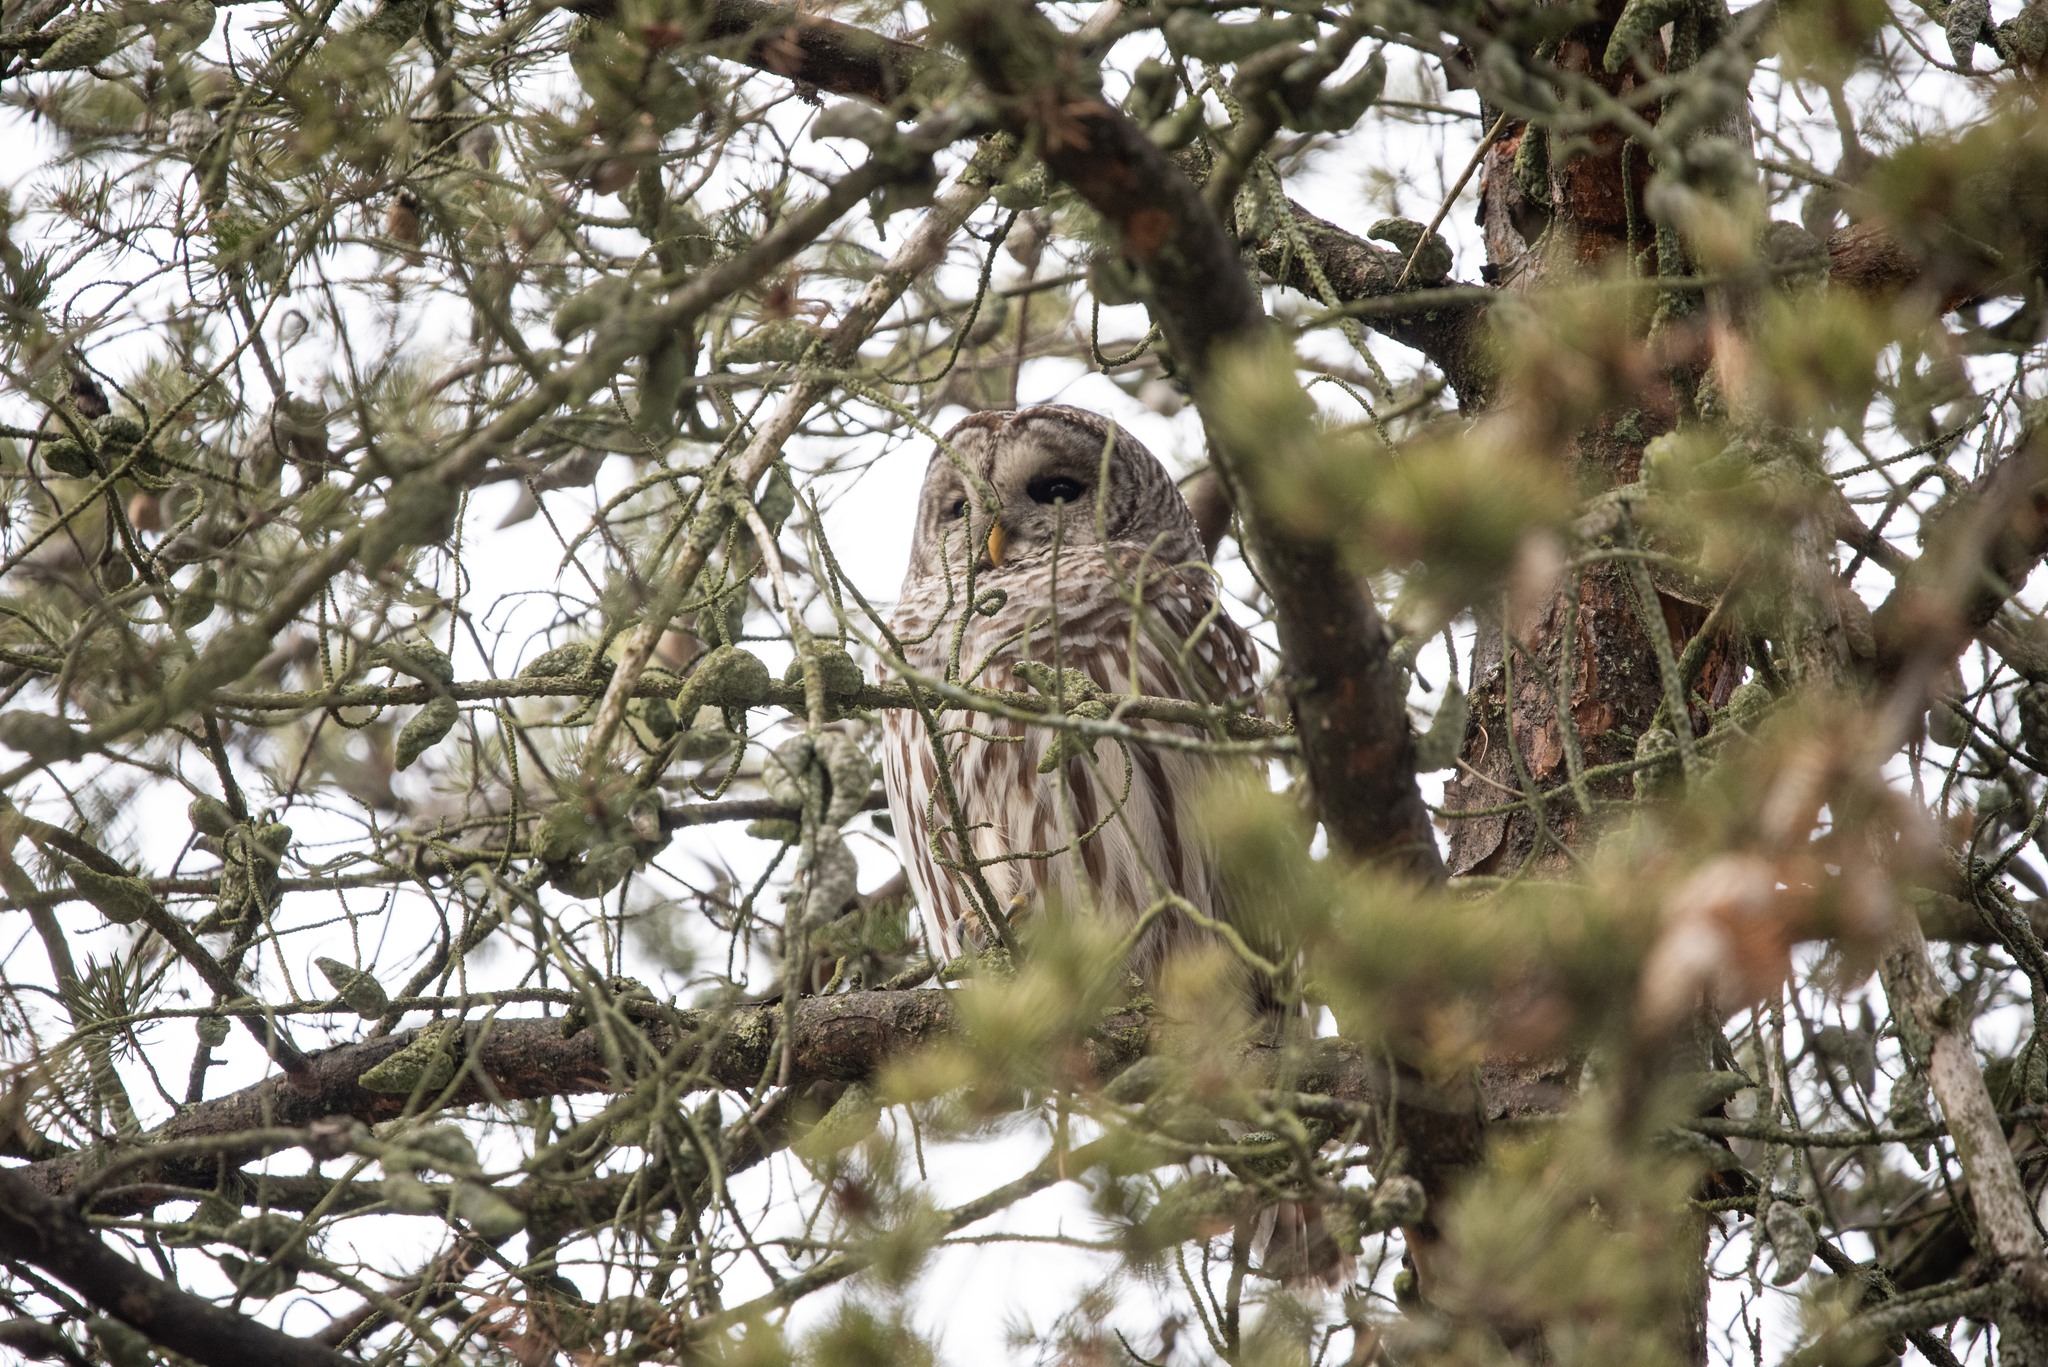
pixel 1018 484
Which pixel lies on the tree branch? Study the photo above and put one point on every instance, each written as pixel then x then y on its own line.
pixel 1979 553
pixel 1452 333
pixel 845 59
pixel 1929 1022
pixel 851 61
pixel 45 1233
pixel 844 1038
pixel 785 41
pixel 1346 691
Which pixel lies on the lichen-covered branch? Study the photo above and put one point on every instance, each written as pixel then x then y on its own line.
pixel 789 42
pixel 836 1039
pixel 40 1231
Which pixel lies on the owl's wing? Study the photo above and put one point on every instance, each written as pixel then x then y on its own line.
pixel 1192 648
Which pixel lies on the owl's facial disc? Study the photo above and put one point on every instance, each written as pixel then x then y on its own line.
pixel 1009 492
pixel 1047 500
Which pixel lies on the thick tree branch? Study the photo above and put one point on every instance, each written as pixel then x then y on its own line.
pixel 1867 258
pixel 48 1234
pixel 785 41
pixel 1980 552
pixel 844 1038
pixel 1347 694
pixel 841 1038
pixel 2019 640
pixel 1446 323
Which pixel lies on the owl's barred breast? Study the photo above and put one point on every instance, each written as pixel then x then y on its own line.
pixel 1114 836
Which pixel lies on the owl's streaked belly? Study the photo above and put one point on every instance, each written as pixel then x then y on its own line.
pixel 1114 834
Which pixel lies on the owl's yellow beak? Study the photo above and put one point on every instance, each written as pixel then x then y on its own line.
pixel 998 541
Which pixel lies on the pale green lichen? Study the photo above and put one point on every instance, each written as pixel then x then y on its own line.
pixel 425 1064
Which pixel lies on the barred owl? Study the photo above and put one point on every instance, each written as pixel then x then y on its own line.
pixel 1100 569
pixel 1049 535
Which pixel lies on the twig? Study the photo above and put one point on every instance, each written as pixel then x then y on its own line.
pixel 1443 210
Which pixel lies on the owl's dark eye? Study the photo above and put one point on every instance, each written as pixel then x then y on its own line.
pixel 1055 489
pixel 956 510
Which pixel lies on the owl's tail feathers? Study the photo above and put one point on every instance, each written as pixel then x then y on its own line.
pixel 1296 1248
